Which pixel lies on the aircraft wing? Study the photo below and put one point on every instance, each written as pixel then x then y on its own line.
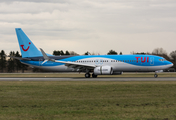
pixel 76 66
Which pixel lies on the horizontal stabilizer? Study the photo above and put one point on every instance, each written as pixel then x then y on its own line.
pixel 18 58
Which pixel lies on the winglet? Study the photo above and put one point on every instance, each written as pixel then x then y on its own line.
pixel 44 54
pixel 46 57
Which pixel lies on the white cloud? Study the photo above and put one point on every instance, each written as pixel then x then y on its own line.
pixel 91 25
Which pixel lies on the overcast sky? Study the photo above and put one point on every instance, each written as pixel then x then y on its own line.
pixel 90 25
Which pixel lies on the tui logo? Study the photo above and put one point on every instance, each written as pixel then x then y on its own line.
pixel 142 60
pixel 22 46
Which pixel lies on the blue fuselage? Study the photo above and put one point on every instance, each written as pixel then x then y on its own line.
pixel 117 62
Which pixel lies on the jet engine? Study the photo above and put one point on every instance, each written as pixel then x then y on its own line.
pixel 103 70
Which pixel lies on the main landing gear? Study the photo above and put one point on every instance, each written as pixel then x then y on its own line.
pixel 94 76
pixel 87 75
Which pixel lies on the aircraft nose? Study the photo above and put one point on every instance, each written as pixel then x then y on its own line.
pixel 170 64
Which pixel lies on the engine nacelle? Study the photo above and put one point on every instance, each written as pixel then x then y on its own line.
pixel 103 70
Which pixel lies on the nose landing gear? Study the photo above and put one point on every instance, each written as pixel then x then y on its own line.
pixel 155 75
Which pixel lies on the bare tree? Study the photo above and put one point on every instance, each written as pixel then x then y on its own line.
pixel 93 53
pixel 173 55
pixel 73 53
pixel 159 51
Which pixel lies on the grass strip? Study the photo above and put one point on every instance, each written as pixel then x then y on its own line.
pixel 71 75
pixel 87 100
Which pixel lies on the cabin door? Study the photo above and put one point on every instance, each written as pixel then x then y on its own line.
pixel 152 61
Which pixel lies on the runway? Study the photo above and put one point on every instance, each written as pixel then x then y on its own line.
pixel 120 79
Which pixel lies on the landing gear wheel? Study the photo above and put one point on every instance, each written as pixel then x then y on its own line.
pixel 94 76
pixel 155 75
pixel 87 75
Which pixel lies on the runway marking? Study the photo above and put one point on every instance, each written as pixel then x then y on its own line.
pixel 90 79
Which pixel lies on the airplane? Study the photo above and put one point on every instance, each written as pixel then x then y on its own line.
pixel 91 65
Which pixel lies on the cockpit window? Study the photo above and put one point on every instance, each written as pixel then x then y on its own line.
pixel 162 60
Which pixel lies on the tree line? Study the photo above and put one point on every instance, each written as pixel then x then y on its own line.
pixel 60 52
pixel 13 65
